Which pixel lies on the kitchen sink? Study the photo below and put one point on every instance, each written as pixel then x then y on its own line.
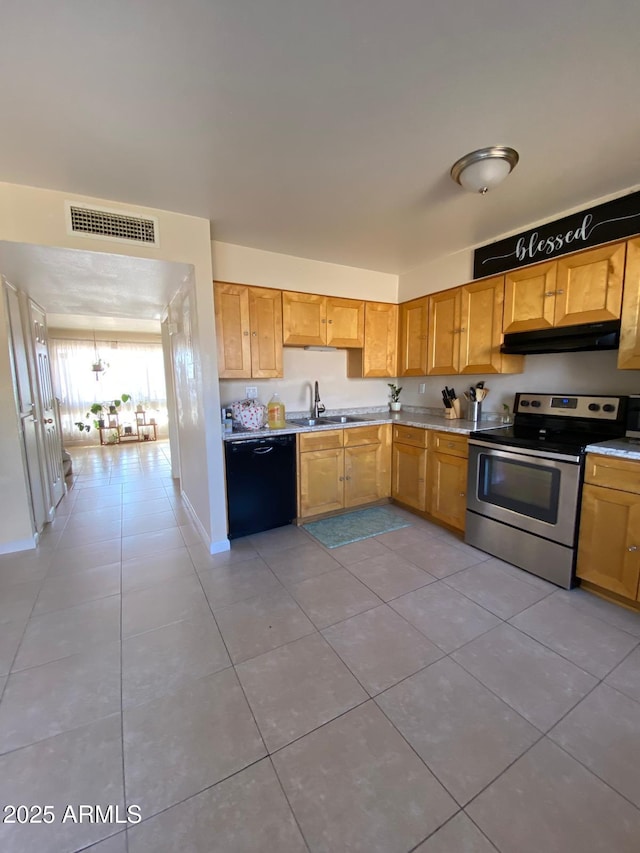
pixel 335 420
pixel 346 419
pixel 310 422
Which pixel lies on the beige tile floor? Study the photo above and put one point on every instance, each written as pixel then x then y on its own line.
pixel 404 693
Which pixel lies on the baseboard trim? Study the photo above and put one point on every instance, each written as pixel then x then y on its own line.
pixel 220 547
pixel 28 544
pixel 213 547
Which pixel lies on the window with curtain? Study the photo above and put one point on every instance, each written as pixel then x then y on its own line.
pixel 136 369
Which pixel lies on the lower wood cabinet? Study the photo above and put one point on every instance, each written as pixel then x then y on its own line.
pixel 340 469
pixel 409 483
pixel 409 477
pixel 448 488
pixel 430 473
pixel 609 544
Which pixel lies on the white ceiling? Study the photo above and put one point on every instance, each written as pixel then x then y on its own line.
pixel 92 290
pixel 324 128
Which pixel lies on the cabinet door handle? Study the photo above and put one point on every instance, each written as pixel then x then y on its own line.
pixel 550 293
pixel 632 548
pixel 246 334
pixel 341 479
pixel 559 292
pixel 329 322
pixel 255 334
pixel 323 321
pixel 461 495
pixel 463 329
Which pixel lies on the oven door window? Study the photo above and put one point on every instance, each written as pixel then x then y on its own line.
pixel 526 488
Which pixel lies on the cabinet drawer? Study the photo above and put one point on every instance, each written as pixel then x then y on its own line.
pixel 452 443
pixel 611 472
pixel 325 440
pixel 410 435
pixel 362 435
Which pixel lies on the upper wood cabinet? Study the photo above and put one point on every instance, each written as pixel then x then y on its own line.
pixel 443 335
pixel 481 311
pixel 465 330
pixel 529 296
pixel 414 318
pixel 581 288
pixel 629 352
pixel 248 331
pixel 312 320
pixel 589 286
pixel 378 357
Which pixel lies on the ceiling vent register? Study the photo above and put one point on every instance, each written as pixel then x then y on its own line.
pixel 110 225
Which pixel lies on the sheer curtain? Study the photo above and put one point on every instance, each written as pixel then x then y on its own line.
pixel 136 369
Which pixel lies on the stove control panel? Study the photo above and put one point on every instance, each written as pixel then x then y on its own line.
pixel 600 408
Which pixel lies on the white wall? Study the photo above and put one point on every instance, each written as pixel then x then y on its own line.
pixel 37 216
pixel 568 373
pixel 242 265
pixel 301 369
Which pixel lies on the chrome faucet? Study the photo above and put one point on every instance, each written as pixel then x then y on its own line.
pixel 318 407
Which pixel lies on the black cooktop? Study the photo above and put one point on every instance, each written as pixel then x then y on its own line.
pixel 560 423
pixel 570 442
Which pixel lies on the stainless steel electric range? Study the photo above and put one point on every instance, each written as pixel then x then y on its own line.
pixel 525 480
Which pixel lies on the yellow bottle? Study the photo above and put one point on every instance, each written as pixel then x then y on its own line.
pixel 275 412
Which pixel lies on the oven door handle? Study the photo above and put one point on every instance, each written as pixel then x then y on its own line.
pixel 525 451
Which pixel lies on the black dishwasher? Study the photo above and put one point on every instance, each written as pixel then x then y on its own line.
pixel 261 483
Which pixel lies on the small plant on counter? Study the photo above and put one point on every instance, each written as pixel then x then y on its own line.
pixel 395 404
pixel 395 392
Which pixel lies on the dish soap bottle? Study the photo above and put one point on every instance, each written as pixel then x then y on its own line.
pixel 275 412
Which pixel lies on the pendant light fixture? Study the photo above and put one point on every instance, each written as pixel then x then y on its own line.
pixel 482 170
pixel 98 365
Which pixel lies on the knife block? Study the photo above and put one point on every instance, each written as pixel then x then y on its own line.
pixel 454 412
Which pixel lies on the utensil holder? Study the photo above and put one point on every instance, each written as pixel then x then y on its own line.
pixel 454 412
pixel 474 410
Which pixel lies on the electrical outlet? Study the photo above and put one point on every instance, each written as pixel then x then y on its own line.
pixel 422 388
pixel 251 392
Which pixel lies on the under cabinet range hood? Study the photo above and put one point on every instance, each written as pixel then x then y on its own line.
pixel 589 336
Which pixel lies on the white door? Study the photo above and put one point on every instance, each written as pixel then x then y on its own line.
pixel 52 442
pixel 26 405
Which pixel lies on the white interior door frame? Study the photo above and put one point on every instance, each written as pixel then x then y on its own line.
pixel 51 439
pixel 26 407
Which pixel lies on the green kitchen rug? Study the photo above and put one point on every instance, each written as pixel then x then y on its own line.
pixel 354 526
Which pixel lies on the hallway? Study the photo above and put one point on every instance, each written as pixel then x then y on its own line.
pixel 406 692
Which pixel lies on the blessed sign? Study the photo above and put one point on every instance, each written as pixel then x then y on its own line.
pixel 612 220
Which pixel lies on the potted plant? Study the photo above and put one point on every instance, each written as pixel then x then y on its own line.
pixel 395 403
pixel 114 405
pixel 98 411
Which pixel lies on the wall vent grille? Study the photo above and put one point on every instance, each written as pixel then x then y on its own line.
pixel 111 225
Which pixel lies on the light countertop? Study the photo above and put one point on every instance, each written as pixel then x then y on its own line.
pixel 421 419
pixel 625 448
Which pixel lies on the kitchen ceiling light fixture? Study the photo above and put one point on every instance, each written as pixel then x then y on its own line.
pixel 482 170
